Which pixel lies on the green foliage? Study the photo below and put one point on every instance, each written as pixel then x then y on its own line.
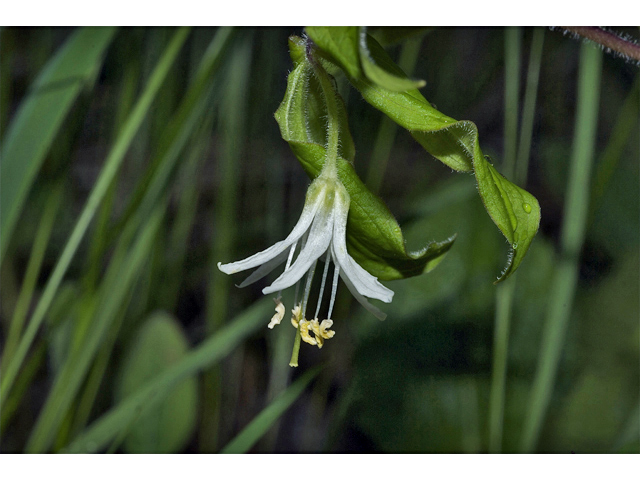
pixel 261 424
pixel 115 424
pixel 41 115
pixel 374 237
pixel 167 426
pixel 514 210
pixel 161 148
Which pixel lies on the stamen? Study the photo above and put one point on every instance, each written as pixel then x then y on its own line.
pixel 307 288
pixel 334 288
pixel 296 315
pixel 304 332
pixel 324 279
pixel 277 318
pixel 321 330
pixel 288 264
pixel 304 242
pixel 291 252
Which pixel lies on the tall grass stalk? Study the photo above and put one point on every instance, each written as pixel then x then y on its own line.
pixel 232 125
pixel 572 237
pixel 32 272
pixel 626 124
pixel 504 292
pixel 110 425
pixel 529 107
pixel 41 114
pixel 109 170
pixel 243 442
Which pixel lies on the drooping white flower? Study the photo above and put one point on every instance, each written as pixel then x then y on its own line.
pixel 321 231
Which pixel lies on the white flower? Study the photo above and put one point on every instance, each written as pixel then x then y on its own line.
pixel 321 230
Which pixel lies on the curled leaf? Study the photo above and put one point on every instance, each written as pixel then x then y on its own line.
pixel 455 143
pixel 374 238
pixel 350 49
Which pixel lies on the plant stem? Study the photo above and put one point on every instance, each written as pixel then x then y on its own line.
pixel 330 167
pixel 512 46
pixel 573 230
pixel 33 270
pixel 529 107
pixel 296 349
pixel 626 48
pixel 504 292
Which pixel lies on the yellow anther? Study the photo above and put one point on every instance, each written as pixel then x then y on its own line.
pixel 304 332
pixel 323 329
pixel 279 315
pixel 297 313
pixel 320 330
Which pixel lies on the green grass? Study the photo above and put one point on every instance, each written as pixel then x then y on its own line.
pixel 134 160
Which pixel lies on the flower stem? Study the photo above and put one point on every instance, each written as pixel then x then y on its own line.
pixel 296 349
pixel 624 46
pixel 333 124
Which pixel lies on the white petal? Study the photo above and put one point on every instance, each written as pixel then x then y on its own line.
pixel 317 244
pixel 264 269
pixel 308 213
pixel 365 283
pixel 363 301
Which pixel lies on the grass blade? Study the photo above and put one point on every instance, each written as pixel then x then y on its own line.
pixel 261 424
pixel 41 115
pixel 112 163
pixel 117 285
pixel 573 229
pixel 211 351
pixel 232 123
pixel 32 272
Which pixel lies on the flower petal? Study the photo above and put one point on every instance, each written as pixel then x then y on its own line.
pixel 363 301
pixel 311 206
pixel 365 283
pixel 317 244
pixel 264 269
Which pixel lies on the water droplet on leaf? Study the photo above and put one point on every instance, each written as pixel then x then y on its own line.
pixel 526 207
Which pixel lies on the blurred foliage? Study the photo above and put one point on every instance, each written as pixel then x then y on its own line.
pixel 419 381
pixel 166 428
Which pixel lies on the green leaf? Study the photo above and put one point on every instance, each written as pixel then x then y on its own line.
pixel 381 74
pixel 261 424
pixel 105 429
pixel 110 168
pixel 342 45
pixel 40 117
pixel 350 48
pixel 124 269
pixel 455 143
pixel 393 35
pixel 374 238
pixel 167 426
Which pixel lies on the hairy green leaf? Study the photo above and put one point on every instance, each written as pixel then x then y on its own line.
pixel 455 143
pixel 374 237
pixel 350 46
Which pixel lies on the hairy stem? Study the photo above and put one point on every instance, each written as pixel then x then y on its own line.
pixel 333 125
pixel 625 47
